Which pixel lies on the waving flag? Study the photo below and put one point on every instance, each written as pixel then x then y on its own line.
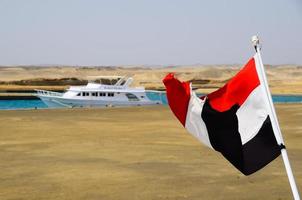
pixel 234 120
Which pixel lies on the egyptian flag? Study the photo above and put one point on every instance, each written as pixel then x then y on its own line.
pixel 234 120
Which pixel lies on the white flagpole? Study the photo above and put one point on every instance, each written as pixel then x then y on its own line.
pixel 275 123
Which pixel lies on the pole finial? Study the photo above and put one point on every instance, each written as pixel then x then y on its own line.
pixel 256 42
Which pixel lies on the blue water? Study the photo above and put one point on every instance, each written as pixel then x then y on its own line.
pixel 38 104
pixel 276 98
pixel 21 104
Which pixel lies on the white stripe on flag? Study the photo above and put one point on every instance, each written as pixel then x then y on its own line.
pixel 251 114
pixel 194 123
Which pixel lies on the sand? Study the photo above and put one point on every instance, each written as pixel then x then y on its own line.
pixel 285 79
pixel 129 153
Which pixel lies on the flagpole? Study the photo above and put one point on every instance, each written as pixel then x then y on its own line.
pixel 275 123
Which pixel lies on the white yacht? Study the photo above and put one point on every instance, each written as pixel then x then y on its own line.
pixel 97 94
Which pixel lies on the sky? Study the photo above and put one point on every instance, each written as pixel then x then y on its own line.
pixel 148 32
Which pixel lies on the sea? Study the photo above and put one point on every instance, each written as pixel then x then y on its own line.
pixel 38 104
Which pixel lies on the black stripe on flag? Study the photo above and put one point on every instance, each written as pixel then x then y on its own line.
pixel 224 137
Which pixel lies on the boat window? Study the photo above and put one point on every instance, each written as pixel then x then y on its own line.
pixel 85 94
pixel 132 97
pixel 79 94
pixel 93 94
pixel 110 94
pixel 102 94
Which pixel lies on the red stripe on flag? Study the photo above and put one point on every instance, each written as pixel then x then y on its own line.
pixel 237 89
pixel 178 95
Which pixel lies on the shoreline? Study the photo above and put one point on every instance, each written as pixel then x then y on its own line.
pixel 31 96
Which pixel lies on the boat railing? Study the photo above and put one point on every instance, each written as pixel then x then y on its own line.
pixel 48 93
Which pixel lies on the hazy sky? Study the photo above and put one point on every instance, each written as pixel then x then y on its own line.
pixel 166 32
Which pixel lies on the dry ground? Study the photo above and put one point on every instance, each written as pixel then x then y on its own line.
pixel 129 153
pixel 286 79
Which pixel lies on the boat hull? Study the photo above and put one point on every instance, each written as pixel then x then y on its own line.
pixel 60 102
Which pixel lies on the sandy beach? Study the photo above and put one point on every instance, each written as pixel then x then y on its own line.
pixel 129 153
